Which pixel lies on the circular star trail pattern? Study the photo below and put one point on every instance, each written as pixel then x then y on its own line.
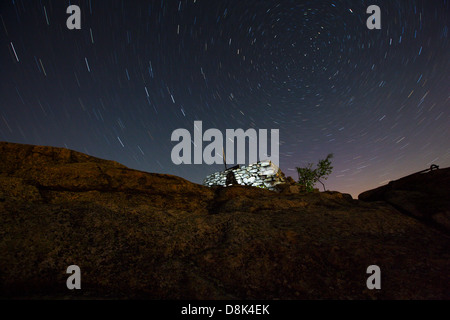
pixel 137 70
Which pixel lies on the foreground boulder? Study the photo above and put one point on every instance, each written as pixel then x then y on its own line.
pixel 424 195
pixel 142 235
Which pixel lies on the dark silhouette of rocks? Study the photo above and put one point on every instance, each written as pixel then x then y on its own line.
pixel 142 235
pixel 231 179
pixel 424 195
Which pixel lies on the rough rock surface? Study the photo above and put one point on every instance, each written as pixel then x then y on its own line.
pixel 425 196
pixel 142 235
pixel 263 174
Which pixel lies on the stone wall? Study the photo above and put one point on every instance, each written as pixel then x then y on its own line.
pixel 262 174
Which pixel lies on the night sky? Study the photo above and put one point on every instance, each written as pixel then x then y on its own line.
pixel 137 70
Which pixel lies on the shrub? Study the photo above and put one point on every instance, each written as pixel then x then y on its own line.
pixel 308 176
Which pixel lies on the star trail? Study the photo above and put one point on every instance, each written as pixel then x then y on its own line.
pixel 138 70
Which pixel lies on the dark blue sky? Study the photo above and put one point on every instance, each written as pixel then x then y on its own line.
pixel 138 70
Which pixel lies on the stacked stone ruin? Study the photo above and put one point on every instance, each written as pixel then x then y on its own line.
pixel 263 174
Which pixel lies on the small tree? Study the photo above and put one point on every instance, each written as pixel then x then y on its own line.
pixel 308 176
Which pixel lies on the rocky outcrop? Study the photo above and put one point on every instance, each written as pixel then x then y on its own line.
pixel 262 174
pixel 142 235
pixel 424 195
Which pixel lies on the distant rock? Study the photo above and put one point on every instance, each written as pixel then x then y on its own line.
pixel 153 236
pixel 425 196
